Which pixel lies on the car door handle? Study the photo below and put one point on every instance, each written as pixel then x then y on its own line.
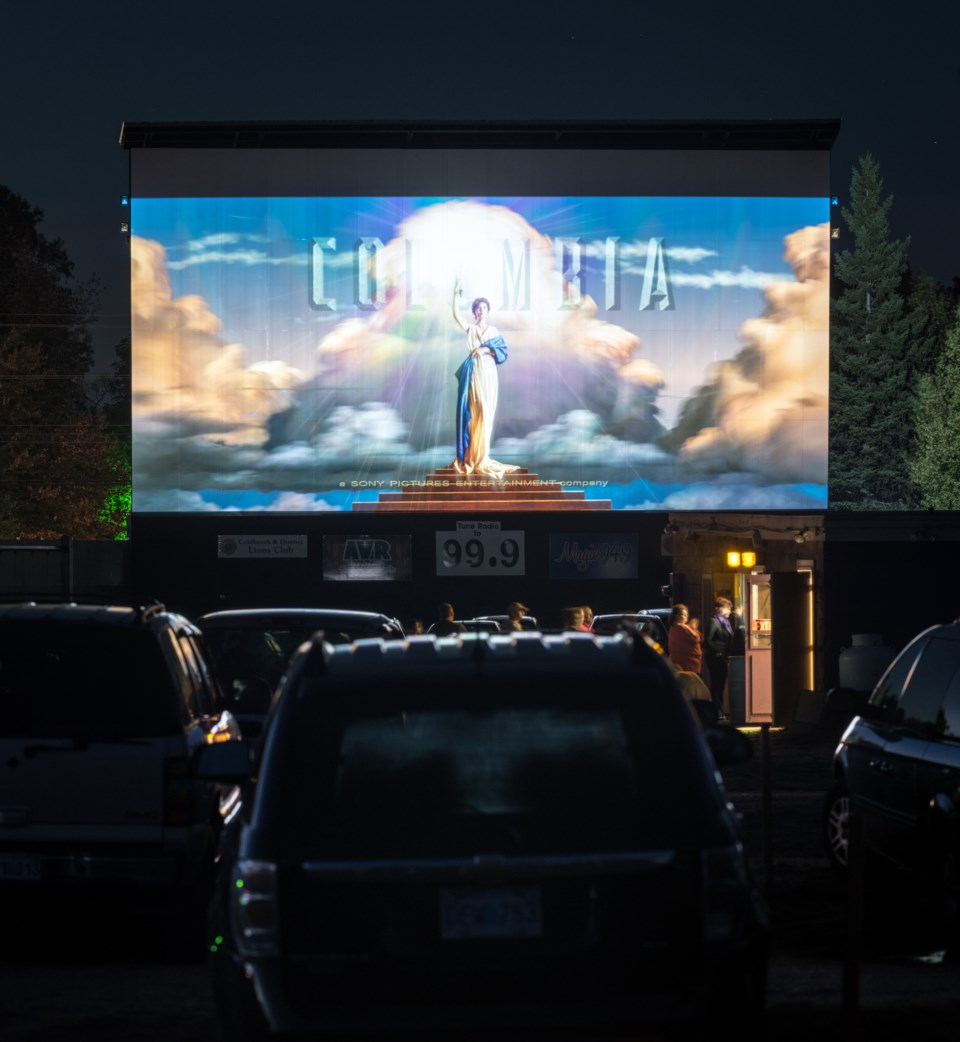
pixel 882 766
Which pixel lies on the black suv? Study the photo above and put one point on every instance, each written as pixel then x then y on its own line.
pixel 898 766
pixel 502 831
pixel 102 713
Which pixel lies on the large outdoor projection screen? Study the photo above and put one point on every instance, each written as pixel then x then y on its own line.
pixel 665 317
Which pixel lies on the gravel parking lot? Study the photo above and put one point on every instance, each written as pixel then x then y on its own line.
pixel 81 976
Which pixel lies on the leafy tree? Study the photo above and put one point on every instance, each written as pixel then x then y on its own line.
pixel 67 480
pixel 938 303
pixel 116 407
pixel 874 334
pixel 936 467
pixel 54 453
pixel 118 501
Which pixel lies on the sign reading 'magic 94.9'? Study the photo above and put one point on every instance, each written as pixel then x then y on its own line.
pixel 593 555
pixel 480 548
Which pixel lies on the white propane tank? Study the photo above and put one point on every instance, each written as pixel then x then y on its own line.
pixel 863 663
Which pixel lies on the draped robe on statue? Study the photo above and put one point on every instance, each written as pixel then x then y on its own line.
pixel 477 391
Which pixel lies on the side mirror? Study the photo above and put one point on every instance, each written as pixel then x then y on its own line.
pixel 944 808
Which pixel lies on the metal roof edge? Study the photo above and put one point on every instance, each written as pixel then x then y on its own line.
pixel 798 134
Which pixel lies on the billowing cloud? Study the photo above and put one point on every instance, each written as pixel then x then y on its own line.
pixel 765 411
pixel 185 368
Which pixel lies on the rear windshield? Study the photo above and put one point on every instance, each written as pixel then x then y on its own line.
pixel 447 778
pixel 77 681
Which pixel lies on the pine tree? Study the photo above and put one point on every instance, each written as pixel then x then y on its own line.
pixel 936 467
pixel 938 303
pixel 873 339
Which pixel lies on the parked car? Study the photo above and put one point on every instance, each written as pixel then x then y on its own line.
pixel 898 766
pixel 528 622
pixel 663 614
pixel 650 625
pixel 250 648
pixel 516 832
pixel 483 624
pixel 102 713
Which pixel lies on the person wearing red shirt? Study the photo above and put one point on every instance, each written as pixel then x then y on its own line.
pixel 684 642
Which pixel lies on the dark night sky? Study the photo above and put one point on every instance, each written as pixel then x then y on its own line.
pixel 71 74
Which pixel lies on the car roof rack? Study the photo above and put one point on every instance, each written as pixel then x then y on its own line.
pixel 146 612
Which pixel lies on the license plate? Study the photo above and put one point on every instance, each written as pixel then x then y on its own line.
pixel 19 868
pixel 476 914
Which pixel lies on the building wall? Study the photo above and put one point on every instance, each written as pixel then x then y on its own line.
pixel 889 574
pixel 176 560
pixel 698 544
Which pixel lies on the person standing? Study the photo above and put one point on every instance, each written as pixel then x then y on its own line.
pixel 477 391
pixel 445 624
pixel 736 624
pixel 718 643
pixel 684 642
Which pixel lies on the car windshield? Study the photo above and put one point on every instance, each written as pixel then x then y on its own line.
pixel 77 681
pixel 421 777
pixel 240 654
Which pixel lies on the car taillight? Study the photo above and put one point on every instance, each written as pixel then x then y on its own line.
pixel 725 884
pixel 253 907
pixel 178 792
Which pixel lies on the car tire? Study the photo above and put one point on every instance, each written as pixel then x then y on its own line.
pixel 239 1019
pixel 948 904
pixel 835 826
pixel 184 938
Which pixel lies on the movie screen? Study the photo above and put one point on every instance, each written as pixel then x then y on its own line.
pixel 333 352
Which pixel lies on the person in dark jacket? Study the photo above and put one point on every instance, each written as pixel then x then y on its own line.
pixel 719 639
pixel 445 625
